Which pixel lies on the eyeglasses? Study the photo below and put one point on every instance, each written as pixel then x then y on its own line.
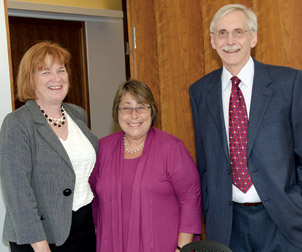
pixel 237 33
pixel 139 110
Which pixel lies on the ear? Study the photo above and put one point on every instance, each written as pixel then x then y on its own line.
pixel 254 39
pixel 213 42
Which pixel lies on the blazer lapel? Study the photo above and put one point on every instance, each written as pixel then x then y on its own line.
pixel 261 96
pixel 46 132
pixel 214 101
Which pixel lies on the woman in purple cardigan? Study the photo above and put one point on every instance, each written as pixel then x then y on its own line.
pixel 146 185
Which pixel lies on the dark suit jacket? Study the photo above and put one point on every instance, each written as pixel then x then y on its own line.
pixel 35 171
pixel 274 149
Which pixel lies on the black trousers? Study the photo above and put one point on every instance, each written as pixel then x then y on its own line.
pixel 81 237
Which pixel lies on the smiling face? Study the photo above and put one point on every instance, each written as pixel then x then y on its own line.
pixel 51 83
pixel 135 125
pixel 234 52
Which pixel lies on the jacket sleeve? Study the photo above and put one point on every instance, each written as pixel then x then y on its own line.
pixel 186 183
pixel 15 171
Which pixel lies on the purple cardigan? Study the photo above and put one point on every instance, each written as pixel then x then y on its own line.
pixel 165 200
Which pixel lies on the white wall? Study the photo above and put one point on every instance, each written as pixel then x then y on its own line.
pixel 106 71
pixel 5 97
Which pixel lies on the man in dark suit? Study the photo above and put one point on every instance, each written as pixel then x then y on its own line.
pixel 248 135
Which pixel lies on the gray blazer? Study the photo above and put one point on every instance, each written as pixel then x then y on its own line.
pixel 37 176
pixel 274 154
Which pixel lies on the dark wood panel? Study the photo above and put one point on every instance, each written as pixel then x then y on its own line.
pixel 25 32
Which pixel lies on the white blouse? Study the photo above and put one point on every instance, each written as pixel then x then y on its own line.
pixel 82 156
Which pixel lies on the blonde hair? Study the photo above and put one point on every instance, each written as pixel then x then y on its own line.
pixel 34 59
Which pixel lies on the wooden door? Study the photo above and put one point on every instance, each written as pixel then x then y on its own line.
pixel 25 32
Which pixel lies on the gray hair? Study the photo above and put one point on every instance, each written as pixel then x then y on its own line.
pixel 251 16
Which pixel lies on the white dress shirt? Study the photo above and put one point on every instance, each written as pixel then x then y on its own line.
pixel 246 75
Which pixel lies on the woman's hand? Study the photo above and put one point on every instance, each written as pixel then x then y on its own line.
pixel 183 239
pixel 41 246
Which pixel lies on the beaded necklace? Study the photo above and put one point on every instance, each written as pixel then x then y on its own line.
pixel 131 151
pixel 58 122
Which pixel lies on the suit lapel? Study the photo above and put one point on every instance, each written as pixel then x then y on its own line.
pixel 261 96
pixel 214 101
pixel 49 136
pixel 46 132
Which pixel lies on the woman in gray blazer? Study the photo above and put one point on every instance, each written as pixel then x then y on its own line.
pixel 46 156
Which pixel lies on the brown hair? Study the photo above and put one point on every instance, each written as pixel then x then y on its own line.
pixel 140 92
pixel 34 59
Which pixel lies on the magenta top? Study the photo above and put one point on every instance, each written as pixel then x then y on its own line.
pixel 128 174
pixel 165 195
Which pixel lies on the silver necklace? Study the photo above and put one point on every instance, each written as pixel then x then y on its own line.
pixel 58 122
pixel 131 151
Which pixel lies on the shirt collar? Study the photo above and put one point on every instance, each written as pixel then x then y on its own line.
pixel 246 75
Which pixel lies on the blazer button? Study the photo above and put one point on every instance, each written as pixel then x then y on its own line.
pixel 230 203
pixel 67 192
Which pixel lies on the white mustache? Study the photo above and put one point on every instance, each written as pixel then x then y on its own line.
pixel 231 48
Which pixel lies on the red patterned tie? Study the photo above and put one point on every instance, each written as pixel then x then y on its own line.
pixel 238 126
